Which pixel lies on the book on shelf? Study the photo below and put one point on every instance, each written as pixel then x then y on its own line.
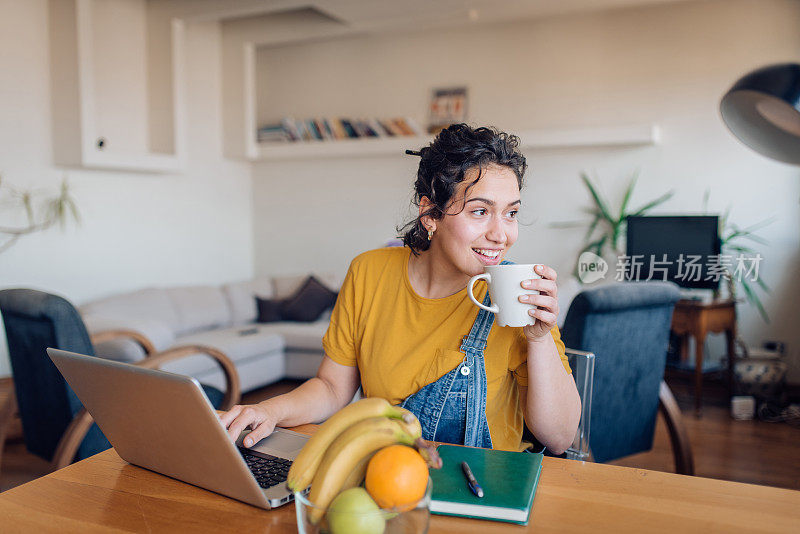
pixel 334 129
pixel 414 126
pixel 349 129
pixel 389 125
pixel 403 127
pixel 290 127
pixel 303 131
pixel 272 133
pixel 378 126
pixel 326 126
pixel 367 129
pixel 338 129
pixel 313 130
pixel 358 126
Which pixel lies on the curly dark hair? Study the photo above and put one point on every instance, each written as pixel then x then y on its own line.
pixel 445 162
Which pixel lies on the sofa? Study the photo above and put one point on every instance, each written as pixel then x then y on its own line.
pixel 222 317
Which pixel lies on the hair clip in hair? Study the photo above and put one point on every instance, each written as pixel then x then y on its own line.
pixel 413 153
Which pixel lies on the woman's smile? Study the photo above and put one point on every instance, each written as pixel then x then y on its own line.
pixel 489 256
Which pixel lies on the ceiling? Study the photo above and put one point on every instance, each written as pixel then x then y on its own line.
pixel 367 16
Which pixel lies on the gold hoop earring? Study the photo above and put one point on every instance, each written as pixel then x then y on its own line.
pixel 430 234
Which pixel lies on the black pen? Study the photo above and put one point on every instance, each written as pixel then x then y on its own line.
pixel 473 484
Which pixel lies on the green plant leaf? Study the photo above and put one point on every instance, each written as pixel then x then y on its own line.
pixel 592 226
pixel 755 238
pixel 599 202
pixel 754 300
pixel 653 203
pixel 73 208
pixel 599 246
pixel 740 248
pixel 586 247
pixel 27 204
pixel 723 221
pixel 760 224
pixel 627 197
pixel 763 285
pixel 593 246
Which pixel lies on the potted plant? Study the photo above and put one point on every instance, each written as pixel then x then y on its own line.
pixel 607 228
pixel 733 240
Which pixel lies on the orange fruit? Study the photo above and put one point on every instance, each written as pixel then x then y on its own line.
pixel 397 477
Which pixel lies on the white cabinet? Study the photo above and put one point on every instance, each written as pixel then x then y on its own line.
pixel 116 86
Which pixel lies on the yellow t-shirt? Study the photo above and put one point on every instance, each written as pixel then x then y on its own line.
pixel 402 342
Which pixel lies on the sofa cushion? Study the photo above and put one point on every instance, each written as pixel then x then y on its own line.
pixel 199 308
pixel 151 303
pixel 269 310
pixel 308 303
pixel 238 342
pixel 240 296
pixel 286 286
pixel 301 336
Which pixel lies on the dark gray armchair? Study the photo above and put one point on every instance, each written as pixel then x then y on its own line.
pixel 626 326
pixel 55 424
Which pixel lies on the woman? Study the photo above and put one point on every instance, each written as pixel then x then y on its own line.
pixel 404 329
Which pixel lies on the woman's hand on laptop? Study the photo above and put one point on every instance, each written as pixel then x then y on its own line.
pixel 254 416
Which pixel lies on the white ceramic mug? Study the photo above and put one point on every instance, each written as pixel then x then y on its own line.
pixel 504 289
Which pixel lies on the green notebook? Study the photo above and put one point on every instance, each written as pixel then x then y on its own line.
pixel 508 480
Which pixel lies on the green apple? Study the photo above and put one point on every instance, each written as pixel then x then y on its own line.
pixel 354 512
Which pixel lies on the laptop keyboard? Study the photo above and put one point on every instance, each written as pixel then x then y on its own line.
pixel 268 470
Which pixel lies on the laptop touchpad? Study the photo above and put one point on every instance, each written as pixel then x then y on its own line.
pixel 281 444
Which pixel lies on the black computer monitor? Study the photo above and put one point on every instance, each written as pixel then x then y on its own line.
pixel 691 244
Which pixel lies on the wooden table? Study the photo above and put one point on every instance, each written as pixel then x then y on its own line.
pixel 103 493
pixel 697 319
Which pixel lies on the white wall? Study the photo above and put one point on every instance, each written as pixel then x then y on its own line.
pixel 665 64
pixel 138 229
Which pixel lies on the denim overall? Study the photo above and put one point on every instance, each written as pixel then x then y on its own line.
pixel 453 409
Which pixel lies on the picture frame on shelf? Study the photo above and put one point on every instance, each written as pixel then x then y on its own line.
pixel 448 106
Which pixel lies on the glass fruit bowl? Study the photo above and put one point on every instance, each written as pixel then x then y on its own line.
pixel 413 518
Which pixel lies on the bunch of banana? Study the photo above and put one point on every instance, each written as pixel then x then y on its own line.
pixel 348 454
pixel 307 463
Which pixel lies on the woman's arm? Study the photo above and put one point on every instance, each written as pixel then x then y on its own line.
pixel 550 404
pixel 312 402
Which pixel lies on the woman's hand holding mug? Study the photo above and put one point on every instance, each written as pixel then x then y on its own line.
pixel 546 302
pixel 536 309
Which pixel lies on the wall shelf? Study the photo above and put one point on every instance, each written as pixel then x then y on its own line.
pixel 612 136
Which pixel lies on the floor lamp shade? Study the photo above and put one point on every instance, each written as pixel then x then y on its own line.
pixel 762 109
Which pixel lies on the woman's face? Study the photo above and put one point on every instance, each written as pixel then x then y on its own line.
pixel 478 232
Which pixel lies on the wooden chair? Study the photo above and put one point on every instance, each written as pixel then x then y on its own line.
pixel 55 424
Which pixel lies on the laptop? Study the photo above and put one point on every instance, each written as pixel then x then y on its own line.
pixel 164 422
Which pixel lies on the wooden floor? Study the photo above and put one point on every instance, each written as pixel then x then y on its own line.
pixel 744 451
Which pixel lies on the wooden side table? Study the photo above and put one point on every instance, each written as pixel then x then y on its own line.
pixel 697 319
pixel 8 413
